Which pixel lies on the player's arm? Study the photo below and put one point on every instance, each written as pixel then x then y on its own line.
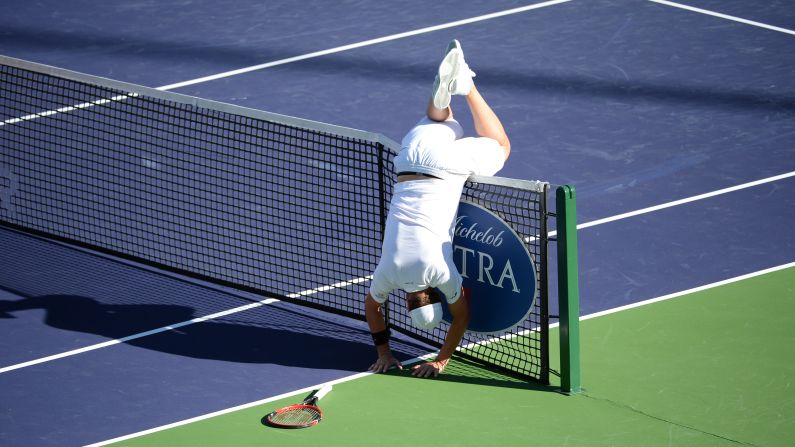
pixel 380 333
pixel 460 313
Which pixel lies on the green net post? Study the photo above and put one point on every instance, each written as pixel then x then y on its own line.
pixel 568 289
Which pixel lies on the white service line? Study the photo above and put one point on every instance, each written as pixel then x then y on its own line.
pixel 171 327
pixel 117 341
pixel 663 206
pixel 363 44
pixel 425 357
pixel 724 16
pixel 686 200
pixel 296 59
pixel 84 105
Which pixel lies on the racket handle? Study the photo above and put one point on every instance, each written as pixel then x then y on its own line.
pixel 322 391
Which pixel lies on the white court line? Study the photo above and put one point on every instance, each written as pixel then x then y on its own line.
pixel 299 58
pixel 689 291
pixel 686 200
pixel 84 105
pixel 172 327
pixel 365 374
pixel 363 44
pixel 226 411
pixel 360 280
pixel 724 16
pixel 246 405
pixel 136 336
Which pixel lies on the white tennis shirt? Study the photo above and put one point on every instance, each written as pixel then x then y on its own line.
pixel 417 251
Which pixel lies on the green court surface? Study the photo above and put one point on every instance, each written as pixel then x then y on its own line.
pixel 713 368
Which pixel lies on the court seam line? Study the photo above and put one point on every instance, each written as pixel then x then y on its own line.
pixel 365 374
pixel 724 16
pixel 360 280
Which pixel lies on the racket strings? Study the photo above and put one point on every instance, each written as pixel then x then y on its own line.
pixel 297 416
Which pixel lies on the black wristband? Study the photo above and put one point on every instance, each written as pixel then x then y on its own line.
pixel 380 338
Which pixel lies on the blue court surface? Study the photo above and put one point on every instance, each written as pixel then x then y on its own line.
pixel 675 122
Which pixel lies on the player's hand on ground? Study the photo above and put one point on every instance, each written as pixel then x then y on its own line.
pixel 430 369
pixel 383 364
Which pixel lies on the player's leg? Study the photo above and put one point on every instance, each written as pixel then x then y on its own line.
pixel 437 114
pixel 487 124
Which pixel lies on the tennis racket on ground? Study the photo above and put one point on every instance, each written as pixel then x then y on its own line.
pixel 305 414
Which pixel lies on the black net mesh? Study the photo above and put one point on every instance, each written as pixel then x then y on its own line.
pixel 279 206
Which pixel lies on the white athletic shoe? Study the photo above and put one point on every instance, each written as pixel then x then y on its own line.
pixel 453 78
pixel 462 83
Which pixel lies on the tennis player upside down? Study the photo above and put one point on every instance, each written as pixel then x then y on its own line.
pixel 417 255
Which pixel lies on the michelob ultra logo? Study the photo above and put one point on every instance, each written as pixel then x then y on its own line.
pixel 497 269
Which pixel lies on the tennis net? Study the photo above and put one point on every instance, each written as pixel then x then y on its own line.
pixel 284 207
